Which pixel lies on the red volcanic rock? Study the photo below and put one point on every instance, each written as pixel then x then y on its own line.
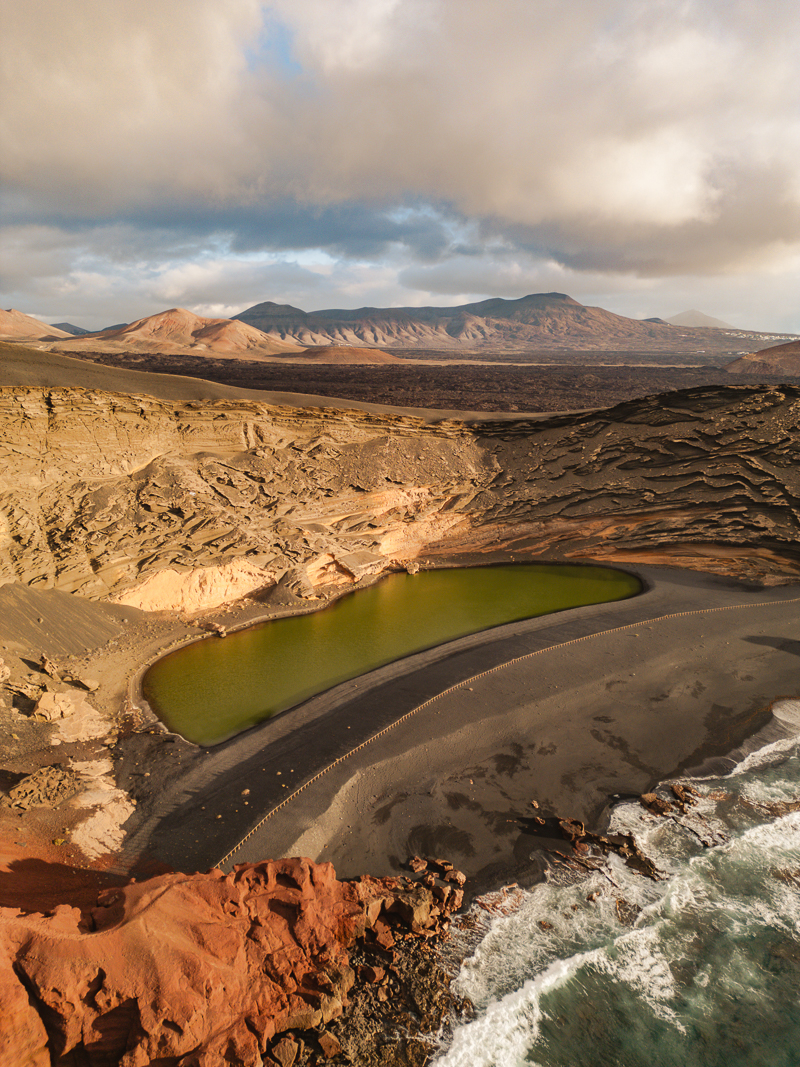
pixel 329 1045
pixel 184 964
pixel 194 970
pixel 23 1038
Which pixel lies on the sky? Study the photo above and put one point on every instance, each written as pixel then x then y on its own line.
pixel 639 155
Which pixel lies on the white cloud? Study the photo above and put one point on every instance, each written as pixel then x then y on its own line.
pixel 661 179
pixel 602 137
pixel 348 35
pixel 101 99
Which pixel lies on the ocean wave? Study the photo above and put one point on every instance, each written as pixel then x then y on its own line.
pixel 699 969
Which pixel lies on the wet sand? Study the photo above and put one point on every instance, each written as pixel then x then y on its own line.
pixel 566 710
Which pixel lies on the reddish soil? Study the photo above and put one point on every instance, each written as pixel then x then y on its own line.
pixel 34 876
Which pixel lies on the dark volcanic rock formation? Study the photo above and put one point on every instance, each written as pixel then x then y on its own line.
pixel 699 473
pixel 346 354
pixel 206 969
pixel 69 327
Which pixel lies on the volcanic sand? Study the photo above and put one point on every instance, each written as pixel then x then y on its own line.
pixel 565 710
pixel 24 367
pixel 642 697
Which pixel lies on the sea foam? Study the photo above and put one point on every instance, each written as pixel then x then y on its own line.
pixel 706 974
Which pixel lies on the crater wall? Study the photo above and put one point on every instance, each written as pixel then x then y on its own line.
pixel 163 504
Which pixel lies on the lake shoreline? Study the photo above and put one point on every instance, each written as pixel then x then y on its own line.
pixel 208 692
pixel 416 777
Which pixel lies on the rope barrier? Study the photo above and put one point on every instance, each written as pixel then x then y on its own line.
pixel 474 678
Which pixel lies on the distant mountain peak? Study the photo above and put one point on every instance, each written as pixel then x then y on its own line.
pixel 16 325
pixel 696 319
pixel 68 327
pixel 538 320
pixel 179 330
pixel 270 307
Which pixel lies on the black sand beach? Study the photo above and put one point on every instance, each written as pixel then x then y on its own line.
pixel 566 710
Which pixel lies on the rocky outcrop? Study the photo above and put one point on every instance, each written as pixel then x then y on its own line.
pixel 199 589
pixel 86 796
pixel 706 477
pixel 102 491
pixel 249 968
pixel 150 502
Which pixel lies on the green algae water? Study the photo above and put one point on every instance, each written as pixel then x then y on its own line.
pixel 215 688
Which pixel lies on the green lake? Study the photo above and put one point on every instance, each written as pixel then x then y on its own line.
pixel 212 689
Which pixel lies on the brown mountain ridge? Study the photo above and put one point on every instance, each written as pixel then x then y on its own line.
pixel 17 326
pixel 540 320
pixel 494 328
pixel 177 330
pixel 180 332
pixel 782 359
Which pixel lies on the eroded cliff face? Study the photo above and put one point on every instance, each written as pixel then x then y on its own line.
pixel 105 492
pixel 258 967
pixel 186 506
pixel 708 478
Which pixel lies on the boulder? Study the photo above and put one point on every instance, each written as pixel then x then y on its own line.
pixel 329 1046
pixel 655 804
pixel 442 866
pixel 285 1051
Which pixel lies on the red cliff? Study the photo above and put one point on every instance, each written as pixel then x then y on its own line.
pixel 202 969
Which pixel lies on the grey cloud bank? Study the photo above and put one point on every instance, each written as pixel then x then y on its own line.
pixel 215 153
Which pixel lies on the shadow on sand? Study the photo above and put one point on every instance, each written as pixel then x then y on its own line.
pixel 781 644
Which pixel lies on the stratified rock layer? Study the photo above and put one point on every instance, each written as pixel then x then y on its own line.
pixel 200 970
pixel 705 477
pixel 104 490
pixel 150 502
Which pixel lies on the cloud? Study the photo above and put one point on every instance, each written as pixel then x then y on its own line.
pixel 96 277
pixel 115 103
pixel 351 229
pixel 649 140
pixel 346 36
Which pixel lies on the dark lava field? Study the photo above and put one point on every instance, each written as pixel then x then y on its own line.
pixel 459 386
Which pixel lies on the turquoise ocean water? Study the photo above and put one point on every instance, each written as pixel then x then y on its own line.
pixel 611 969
